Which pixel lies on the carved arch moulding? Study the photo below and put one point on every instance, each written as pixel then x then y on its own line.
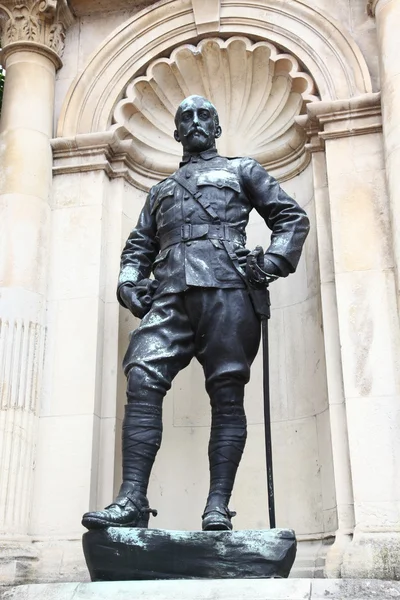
pixel 328 53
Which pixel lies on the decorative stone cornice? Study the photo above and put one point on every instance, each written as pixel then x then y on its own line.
pixel 341 118
pixel 34 22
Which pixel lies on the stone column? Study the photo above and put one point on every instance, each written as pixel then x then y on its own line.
pixel 32 35
pixel 387 15
pixel 337 402
pixel 368 327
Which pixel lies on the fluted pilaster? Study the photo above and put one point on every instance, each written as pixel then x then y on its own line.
pixel 32 34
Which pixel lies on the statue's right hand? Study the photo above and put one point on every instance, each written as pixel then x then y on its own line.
pixel 138 299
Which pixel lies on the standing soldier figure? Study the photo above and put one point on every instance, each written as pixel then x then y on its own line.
pixel 191 234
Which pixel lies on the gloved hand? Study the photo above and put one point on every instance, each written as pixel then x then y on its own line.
pixel 138 299
pixel 259 268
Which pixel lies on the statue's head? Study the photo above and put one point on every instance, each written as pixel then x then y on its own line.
pixel 197 124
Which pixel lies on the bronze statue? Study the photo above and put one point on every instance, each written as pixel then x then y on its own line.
pixel 191 235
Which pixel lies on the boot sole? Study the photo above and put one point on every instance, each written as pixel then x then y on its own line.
pixel 217 527
pixel 102 524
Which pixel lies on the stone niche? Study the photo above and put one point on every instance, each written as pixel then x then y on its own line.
pixel 257 89
pixel 106 159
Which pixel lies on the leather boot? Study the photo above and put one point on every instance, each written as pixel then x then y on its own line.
pixel 227 441
pixel 130 509
pixel 141 439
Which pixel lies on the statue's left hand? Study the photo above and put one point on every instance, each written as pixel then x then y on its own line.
pixel 259 269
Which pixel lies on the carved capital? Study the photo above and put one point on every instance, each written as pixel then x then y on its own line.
pixel 42 22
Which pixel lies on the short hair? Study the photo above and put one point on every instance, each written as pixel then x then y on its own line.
pixel 209 104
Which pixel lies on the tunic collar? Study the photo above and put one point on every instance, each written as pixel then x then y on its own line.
pixel 206 155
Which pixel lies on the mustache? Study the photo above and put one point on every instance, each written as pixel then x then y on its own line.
pixel 196 130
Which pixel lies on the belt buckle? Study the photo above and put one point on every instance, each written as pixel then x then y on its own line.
pixel 186 232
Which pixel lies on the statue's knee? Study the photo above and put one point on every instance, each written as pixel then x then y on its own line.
pixel 227 399
pixel 142 387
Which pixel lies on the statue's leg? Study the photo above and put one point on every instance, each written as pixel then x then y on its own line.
pixel 227 340
pixel 162 345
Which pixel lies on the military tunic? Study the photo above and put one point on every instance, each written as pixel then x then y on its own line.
pixel 191 251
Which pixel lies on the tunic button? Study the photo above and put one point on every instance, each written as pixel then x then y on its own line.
pixel 186 196
pixel 188 243
pixel 187 175
pixel 187 220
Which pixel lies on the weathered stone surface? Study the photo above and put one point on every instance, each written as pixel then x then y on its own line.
pixel 245 589
pixel 119 554
pixel 354 589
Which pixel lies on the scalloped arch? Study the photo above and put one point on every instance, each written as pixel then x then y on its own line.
pixel 330 55
pixel 258 91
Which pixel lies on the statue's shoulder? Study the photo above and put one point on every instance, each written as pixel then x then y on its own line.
pixel 159 190
pixel 161 187
pixel 242 163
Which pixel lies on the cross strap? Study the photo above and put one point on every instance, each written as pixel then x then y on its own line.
pixel 196 194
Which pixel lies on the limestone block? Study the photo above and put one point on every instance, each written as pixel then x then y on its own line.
pixel 92 7
pixel 111 364
pixel 377 480
pixel 347 589
pixel 79 189
pixel 277 373
pixel 374 555
pixel 65 452
pixel 228 589
pixel 30 175
pixel 190 399
pixel 72 378
pixel 69 68
pixel 305 364
pixel 327 475
pixel 181 448
pixel 24 218
pixel 339 11
pixel 340 448
pixel 297 475
pixel 367 300
pixel 17 562
pixel 249 497
pixel 106 461
pixel 93 30
pixel 76 258
pixel 59 560
pixel 360 216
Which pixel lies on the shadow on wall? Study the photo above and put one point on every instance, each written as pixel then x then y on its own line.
pixel 2 76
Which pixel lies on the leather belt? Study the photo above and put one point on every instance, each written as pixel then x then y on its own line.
pixel 188 232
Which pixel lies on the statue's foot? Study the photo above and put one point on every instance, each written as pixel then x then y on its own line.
pixel 130 509
pixel 217 518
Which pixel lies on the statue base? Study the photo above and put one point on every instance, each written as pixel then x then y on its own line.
pixel 123 553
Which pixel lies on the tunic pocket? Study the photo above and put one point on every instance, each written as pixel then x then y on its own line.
pixel 217 188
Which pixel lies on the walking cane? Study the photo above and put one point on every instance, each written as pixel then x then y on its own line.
pixel 259 293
